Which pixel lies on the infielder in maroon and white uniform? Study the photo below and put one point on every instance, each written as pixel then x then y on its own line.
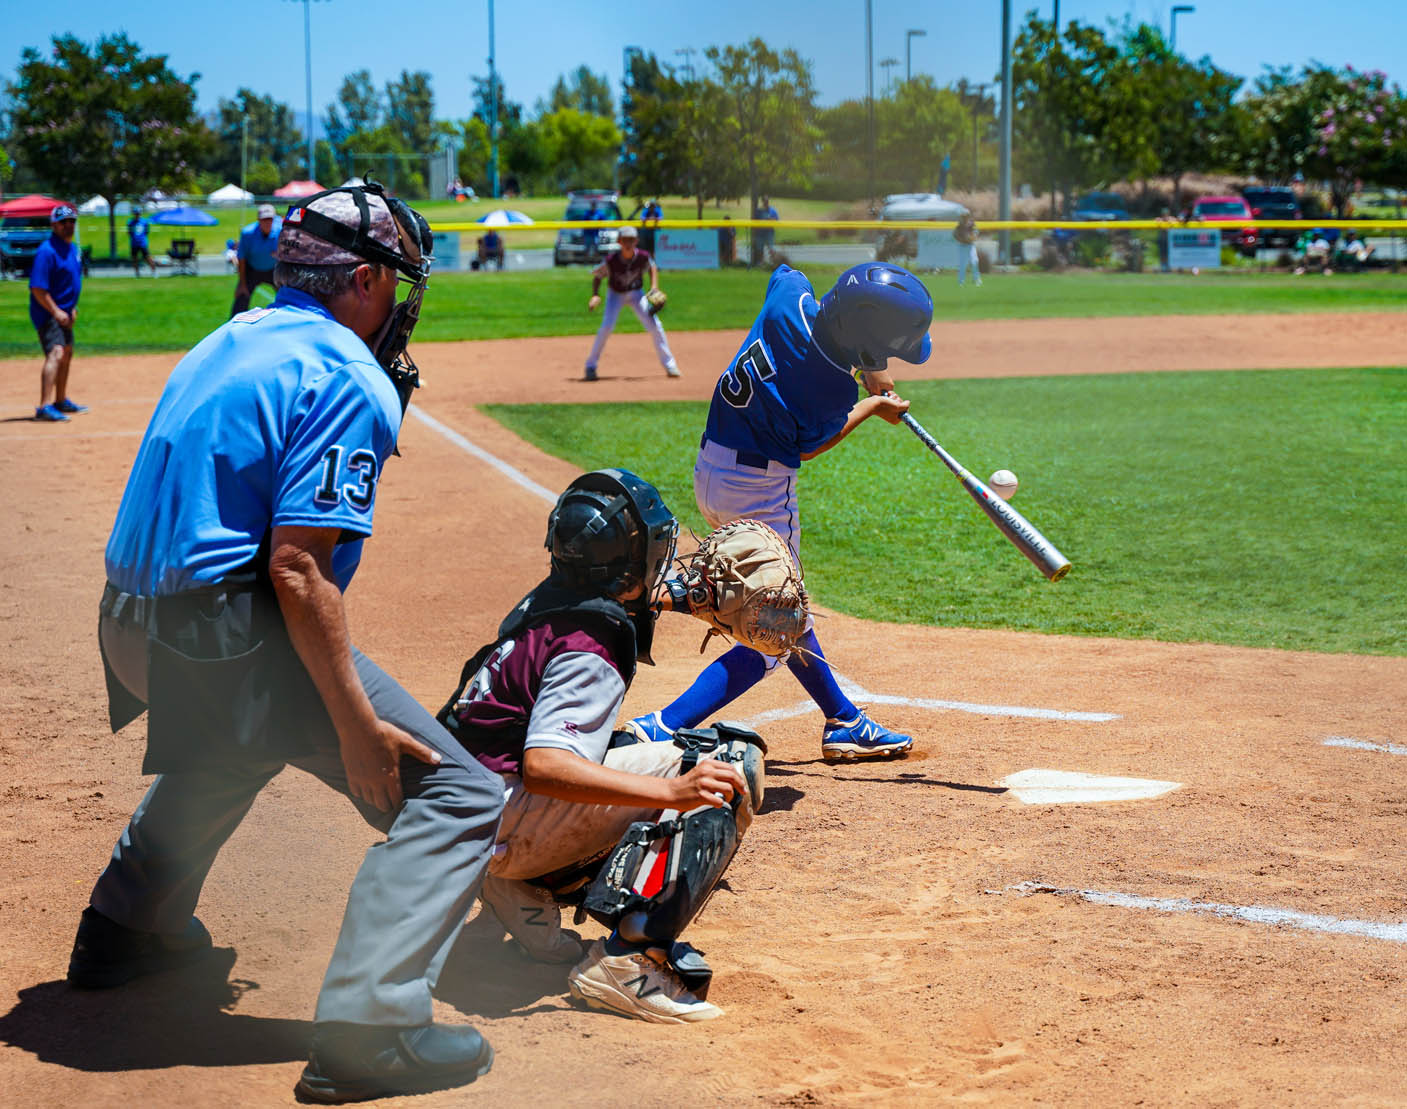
pixel 624 272
pixel 636 833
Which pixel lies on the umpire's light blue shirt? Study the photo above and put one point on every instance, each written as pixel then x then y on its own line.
pixel 57 269
pixel 256 248
pixel 282 416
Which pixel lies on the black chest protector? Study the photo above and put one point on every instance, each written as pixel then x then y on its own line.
pixel 616 629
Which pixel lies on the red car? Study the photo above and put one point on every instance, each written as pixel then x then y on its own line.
pixel 1229 209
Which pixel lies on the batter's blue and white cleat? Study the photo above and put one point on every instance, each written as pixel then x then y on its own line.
pixel 861 738
pixel 650 729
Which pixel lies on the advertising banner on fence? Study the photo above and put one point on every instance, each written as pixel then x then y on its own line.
pixel 686 248
pixel 446 250
pixel 1188 249
pixel 937 250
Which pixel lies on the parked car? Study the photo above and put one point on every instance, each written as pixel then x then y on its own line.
pixel 1233 210
pixel 588 244
pixel 896 244
pixel 1266 202
pixel 1099 206
pixel 20 239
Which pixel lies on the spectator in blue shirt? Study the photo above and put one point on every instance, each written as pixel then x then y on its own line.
pixel 137 231
pixel 54 285
pixel 255 262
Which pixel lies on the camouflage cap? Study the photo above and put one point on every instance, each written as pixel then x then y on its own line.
pixel 299 246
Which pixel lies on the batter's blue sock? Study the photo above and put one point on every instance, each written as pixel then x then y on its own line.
pixel 724 680
pixel 815 676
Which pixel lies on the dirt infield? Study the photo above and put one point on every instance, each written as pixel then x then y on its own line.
pixel 876 940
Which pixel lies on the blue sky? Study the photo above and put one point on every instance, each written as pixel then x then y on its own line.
pixel 260 44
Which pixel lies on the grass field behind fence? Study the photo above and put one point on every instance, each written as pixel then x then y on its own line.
pixel 1261 508
pixel 121 315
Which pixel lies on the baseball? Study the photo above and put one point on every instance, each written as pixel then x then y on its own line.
pixel 1003 484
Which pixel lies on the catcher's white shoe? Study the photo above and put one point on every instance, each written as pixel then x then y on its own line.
pixel 532 918
pixel 637 984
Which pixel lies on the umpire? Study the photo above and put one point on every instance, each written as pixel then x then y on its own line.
pixel 241 525
pixel 255 258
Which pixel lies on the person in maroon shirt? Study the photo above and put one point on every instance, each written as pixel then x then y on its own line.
pixel 537 706
pixel 624 273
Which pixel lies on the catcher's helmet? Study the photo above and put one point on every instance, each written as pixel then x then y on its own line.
pixel 609 531
pixel 877 312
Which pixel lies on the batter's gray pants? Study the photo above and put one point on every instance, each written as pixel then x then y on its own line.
pixel 409 899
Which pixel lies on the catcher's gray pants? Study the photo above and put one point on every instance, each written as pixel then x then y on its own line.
pixel 409 899
pixel 651 324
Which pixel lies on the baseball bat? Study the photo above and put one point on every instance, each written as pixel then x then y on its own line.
pixel 1022 533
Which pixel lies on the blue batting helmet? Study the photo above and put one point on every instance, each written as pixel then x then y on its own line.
pixel 877 312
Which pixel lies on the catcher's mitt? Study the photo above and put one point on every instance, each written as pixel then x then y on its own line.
pixel 655 300
pixel 744 583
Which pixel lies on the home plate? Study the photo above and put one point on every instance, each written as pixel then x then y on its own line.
pixel 1066 787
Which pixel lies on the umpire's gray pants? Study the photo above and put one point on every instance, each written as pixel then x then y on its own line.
pixel 409 899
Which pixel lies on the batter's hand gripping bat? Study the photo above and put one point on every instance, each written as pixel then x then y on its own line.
pixel 1030 542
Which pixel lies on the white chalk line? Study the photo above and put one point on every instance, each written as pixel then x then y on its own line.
pixel 1255 914
pixel 1364 745
pixel 858 693
pixel 484 456
pixel 852 690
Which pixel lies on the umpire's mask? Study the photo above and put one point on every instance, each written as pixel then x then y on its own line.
pixel 360 223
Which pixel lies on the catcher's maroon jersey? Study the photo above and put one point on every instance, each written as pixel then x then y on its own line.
pixel 556 685
pixel 625 276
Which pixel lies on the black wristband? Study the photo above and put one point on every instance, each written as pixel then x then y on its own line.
pixel 678 594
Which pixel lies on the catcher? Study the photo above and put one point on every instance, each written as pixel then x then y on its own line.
pixel 636 834
pixel 624 273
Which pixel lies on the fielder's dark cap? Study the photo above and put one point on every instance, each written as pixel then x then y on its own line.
pixel 296 245
pixel 62 212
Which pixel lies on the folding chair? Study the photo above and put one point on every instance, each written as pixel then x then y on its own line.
pixel 182 255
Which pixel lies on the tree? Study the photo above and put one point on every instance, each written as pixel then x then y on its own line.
pixel 272 136
pixel 916 127
pixel 473 161
pixel 579 147
pixel 510 114
pixel 586 92
pixel 1356 134
pixel 410 110
pixel 109 121
pixel 1059 116
pixel 360 109
pixel 771 108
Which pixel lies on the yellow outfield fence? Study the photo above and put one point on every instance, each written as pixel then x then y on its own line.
pixel 1394 226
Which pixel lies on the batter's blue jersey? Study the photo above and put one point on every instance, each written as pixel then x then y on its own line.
pixel 280 417
pixel 781 396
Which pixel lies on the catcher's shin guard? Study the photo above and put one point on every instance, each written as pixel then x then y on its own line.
pixel 660 874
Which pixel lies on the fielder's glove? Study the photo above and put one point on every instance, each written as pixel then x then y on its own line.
pixel 744 583
pixel 655 300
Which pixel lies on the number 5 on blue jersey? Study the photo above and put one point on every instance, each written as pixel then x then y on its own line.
pixel 736 385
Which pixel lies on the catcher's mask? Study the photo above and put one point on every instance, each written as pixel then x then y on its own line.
pixel 877 312
pixel 610 531
pixel 410 258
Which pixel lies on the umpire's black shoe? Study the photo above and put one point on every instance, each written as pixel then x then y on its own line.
pixel 106 954
pixel 358 1062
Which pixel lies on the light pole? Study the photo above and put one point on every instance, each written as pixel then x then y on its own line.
pixel 909 53
pixel 977 107
pixel 869 92
pixel 493 113
pixel 308 67
pixel 688 67
pixel 1004 171
pixel 1178 9
pixel 887 64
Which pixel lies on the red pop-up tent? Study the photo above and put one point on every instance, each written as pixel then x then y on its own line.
pixel 298 188
pixel 35 204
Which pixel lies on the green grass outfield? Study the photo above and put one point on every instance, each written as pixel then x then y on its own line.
pixel 120 315
pixel 1256 508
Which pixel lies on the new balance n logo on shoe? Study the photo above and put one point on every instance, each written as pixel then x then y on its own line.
pixel 641 985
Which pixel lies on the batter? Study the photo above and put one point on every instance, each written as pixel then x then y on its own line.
pixel 787 396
